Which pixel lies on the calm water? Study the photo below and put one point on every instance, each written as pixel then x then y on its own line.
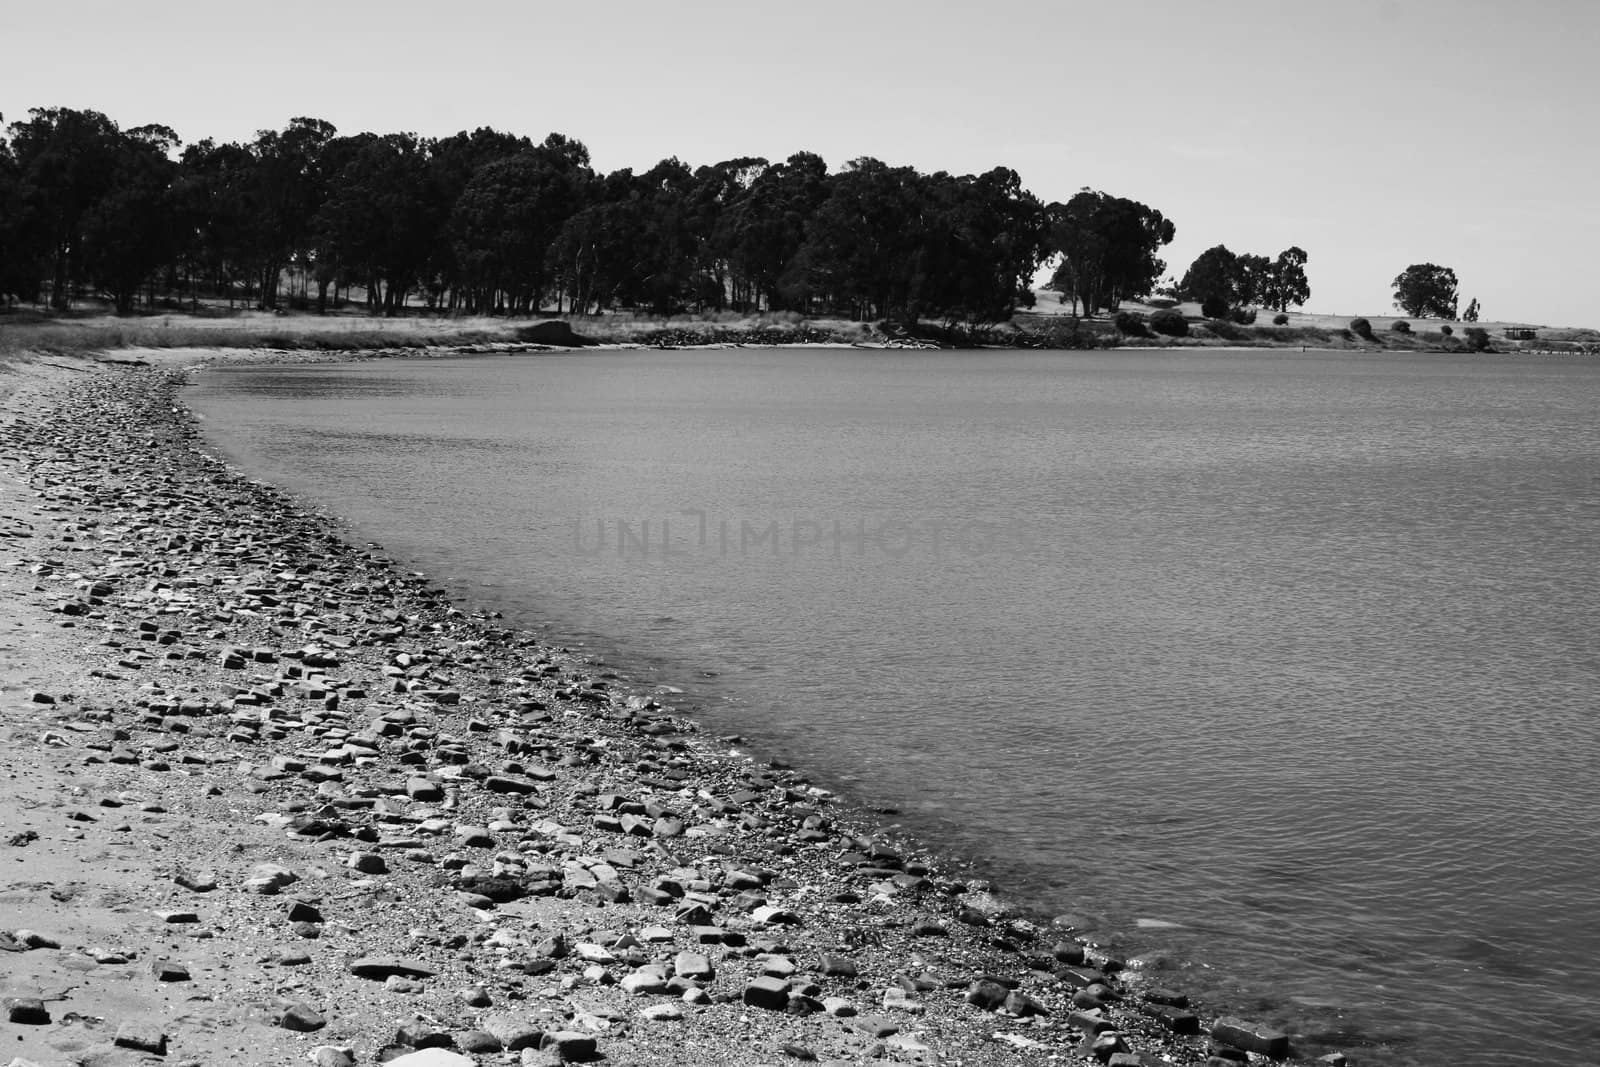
pixel 1279 668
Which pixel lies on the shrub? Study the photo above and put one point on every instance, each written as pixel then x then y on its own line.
pixel 1170 322
pixel 1243 316
pixel 1477 338
pixel 1400 326
pixel 1361 328
pixel 1447 329
pixel 1226 330
pixel 1162 302
pixel 1214 307
pixel 1280 319
pixel 1131 324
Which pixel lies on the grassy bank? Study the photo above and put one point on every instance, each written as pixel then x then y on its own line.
pixel 1305 329
pixel 1048 325
pixel 74 334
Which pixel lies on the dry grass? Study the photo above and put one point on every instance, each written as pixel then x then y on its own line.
pixel 80 334
pixel 29 332
pixel 1332 331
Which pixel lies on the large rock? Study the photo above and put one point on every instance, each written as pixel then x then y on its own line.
pixel 1251 1037
pixel 302 1018
pixel 570 1046
pixel 986 994
pixel 516 1032
pixel 141 1037
pixel 27 1011
pixel 381 967
pixel 553 332
pixel 694 966
pixel 767 992
pixel 432 1057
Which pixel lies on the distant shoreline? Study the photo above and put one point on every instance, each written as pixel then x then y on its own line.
pixel 1044 328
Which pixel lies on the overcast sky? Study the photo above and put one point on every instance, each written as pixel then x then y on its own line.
pixel 1372 133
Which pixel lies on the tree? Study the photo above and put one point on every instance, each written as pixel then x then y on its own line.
pixel 1424 290
pixel 1255 278
pixel 215 211
pixel 1215 276
pixel 983 238
pixel 66 161
pixel 1286 281
pixel 289 185
pixel 1471 314
pixel 505 220
pixel 20 248
pixel 861 246
pixel 131 232
pixel 380 222
pixel 1108 249
pixel 764 229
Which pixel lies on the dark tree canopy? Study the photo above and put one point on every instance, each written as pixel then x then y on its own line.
pixel 1286 282
pixel 1245 280
pixel 1108 249
pixel 1215 276
pixel 490 222
pixel 1424 290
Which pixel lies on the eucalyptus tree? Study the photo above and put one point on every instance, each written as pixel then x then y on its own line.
pixel 380 222
pixel 65 164
pixel 506 218
pixel 1286 280
pixel 20 250
pixel 1426 290
pixel 763 230
pixel 982 239
pixel 289 184
pixel 1108 247
pixel 131 232
pixel 862 243
pixel 453 161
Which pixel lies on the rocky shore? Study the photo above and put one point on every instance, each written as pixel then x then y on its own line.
pixel 271 799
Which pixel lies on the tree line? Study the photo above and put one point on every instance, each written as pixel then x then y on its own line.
pixel 490 222
pixel 1225 282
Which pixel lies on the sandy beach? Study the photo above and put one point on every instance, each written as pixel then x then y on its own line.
pixel 272 799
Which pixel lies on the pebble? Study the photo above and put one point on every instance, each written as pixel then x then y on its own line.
pixel 301 1017
pixel 382 967
pixel 514 1032
pixel 478 1041
pixel 662 1013
pixel 571 1046
pixel 432 1057
pixel 27 1011
pixel 367 863
pixel 767 992
pixel 35 940
pixel 141 1037
pixel 170 972
pixel 897 999
pixel 693 965
pixel 1251 1037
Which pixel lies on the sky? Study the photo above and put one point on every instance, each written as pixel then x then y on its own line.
pixel 1374 134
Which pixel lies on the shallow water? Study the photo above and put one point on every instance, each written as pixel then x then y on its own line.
pixel 1279 669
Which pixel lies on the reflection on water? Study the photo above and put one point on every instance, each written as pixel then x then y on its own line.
pixel 1284 665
